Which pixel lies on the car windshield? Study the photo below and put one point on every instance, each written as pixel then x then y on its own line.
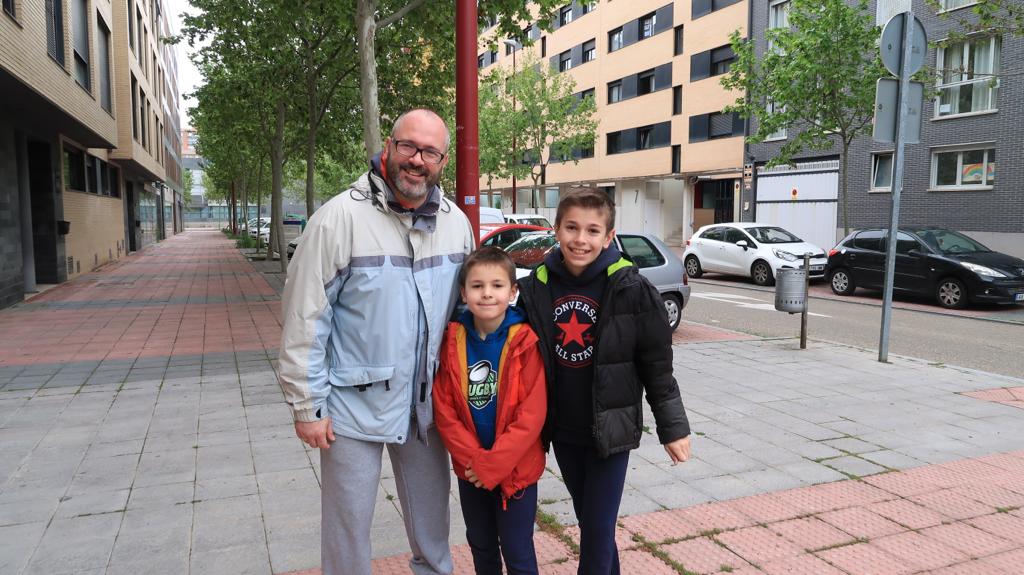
pixel 772 235
pixel 542 222
pixel 950 242
pixel 529 251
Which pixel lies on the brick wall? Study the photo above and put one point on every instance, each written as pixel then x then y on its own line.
pixel 11 283
pixel 998 211
pixel 97 230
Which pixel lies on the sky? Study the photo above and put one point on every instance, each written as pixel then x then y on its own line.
pixel 188 75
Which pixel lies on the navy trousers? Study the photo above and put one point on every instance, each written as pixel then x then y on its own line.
pixel 595 485
pixel 494 532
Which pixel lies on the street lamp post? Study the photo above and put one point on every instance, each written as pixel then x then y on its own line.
pixel 515 47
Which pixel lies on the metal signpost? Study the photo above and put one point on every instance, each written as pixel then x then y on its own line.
pixel 903 48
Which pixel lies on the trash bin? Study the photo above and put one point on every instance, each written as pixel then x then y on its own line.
pixel 791 290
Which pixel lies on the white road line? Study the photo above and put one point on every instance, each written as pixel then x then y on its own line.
pixel 733 299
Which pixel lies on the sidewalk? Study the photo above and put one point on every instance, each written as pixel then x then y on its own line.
pixel 142 431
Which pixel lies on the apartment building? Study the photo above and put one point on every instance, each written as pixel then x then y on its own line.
pixel 70 180
pixel 950 177
pixel 665 151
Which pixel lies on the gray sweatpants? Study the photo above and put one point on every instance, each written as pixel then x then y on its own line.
pixel 351 476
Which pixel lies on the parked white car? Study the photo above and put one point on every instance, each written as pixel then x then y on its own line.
pixel 753 250
pixel 528 219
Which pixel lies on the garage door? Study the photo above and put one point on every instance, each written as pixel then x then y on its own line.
pixel 802 199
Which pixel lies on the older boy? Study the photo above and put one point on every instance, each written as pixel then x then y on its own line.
pixel 604 338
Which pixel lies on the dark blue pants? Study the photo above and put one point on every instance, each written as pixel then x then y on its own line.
pixel 595 485
pixel 494 532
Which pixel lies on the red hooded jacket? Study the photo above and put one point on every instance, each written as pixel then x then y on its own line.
pixel 516 460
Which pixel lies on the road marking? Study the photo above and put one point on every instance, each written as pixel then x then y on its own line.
pixel 737 300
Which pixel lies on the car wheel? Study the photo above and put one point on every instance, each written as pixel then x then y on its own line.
pixel 842 282
pixel 674 310
pixel 951 293
pixel 762 273
pixel 693 268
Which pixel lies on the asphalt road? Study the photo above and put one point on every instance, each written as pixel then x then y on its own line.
pixel 992 346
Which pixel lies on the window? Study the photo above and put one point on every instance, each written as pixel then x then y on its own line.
pixel 677 157
pixel 778 14
pixel 131 29
pixel 565 61
pixel 92 174
pixel 587 152
pixel 881 171
pixel 869 240
pixel 647 25
pixel 9 8
pixel 641 252
pixel 721 59
pixel 115 181
pixel 480 61
pixel 964 168
pixel 135 108
pixel 952 4
pixel 779 134
pixel 589 50
pixel 677 48
pixel 643 137
pixel 564 15
pixel 614 142
pixel 509 48
pixel 74 169
pixel 677 100
pixel 716 234
pixel 103 51
pixel 720 126
pixel 614 91
pixel 551 197
pixel 967 77
pixel 645 82
pixel 615 39
pixel 905 244
pixel 589 6
pixel 700 8
pixel 494 57
pixel 544 47
pixel 55 30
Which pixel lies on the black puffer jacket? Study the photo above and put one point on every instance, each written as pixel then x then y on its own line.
pixel 633 354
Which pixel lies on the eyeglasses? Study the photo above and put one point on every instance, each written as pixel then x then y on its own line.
pixel 408 149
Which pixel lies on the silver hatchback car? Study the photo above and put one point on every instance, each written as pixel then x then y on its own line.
pixel 656 261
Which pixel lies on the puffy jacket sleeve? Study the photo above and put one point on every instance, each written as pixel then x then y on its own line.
pixel 524 429
pixel 316 275
pixel 653 360
pixel 460 440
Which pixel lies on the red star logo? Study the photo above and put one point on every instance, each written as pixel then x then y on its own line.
pixel 573 330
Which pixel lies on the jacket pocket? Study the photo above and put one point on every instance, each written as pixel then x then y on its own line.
pixel 362 377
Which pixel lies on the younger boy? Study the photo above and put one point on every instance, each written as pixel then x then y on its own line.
pixel 605 338
pixel 489 404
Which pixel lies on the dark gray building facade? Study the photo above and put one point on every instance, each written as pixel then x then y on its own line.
pixel 975 125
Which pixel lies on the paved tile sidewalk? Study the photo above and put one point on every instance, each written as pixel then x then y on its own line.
pixel 142 430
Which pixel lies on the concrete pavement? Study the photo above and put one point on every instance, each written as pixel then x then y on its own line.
pixel 142 430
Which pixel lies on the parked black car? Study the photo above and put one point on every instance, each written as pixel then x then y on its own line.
pixel 934 262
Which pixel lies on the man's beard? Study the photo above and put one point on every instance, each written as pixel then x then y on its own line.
pixel 409 190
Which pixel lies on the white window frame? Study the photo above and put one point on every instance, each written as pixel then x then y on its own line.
pixel 779 134
pixel 616 40
pixel 874 171
pixel 645 32
pixel 934 185
pixel 565 15
pixel 995 47
pixel 944 5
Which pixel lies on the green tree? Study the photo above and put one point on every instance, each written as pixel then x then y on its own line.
pixel 989 17
pixel 817 80
pixel 536 108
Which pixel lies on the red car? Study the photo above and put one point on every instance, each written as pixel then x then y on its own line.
pixel 501 235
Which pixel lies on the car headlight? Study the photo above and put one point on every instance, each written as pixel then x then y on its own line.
pixel 983 270
pixel 784 255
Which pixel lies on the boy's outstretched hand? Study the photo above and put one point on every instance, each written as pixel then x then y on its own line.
pixel 679 450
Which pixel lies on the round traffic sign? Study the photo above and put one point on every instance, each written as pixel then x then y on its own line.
pixel 892 45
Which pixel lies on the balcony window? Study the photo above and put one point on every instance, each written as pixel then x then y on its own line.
pixel 589 50
pixel 565 61
pixel 615 40
pixel 614 91
pixel 964 169
pixel 647 25
pixel 55 30
pixel 881 171
pixel 968 77
pixel 564 15
pixel 645 82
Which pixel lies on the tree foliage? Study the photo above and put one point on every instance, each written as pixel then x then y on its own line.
pixel 990 17
pixel 816 80
pixel 529 117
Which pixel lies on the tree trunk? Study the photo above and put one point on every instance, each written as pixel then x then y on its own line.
pixel 259 204
pixel 277 181
pixel 313 111
pixel 843 165
pixel 366 26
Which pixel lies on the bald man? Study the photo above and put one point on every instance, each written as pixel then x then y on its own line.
pixel 370 289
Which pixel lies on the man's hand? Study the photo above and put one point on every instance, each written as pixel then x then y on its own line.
pixel 316 434
pixel 679 450
pixel 471 476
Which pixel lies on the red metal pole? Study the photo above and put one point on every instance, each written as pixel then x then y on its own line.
pixel 514 191
pixel 467 175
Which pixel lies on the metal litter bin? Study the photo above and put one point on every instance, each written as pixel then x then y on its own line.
pixel 791 290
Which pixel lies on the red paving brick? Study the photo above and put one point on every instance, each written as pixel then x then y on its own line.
pixel 864 559
pixel 968 539
pixel 1002 525
pixel 643 562
pixel 1009 562
pixel 951 504
pixel 800 565
pixel 811 533
pixel 191 294
pixel 690 332
pixel 765 508
pixel 908 513
pixel 659 526
pixel 758 544
pixel 861 523
pixel 919 551
pixel 703 555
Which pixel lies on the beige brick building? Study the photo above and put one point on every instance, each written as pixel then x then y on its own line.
pixel 89 168
pixel 671 159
